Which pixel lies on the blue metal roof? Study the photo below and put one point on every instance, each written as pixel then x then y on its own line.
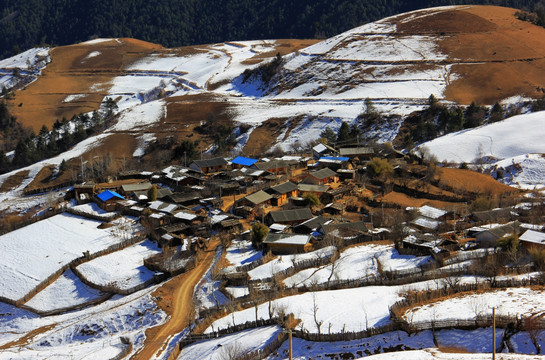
pixel 109 194
pixel 244 161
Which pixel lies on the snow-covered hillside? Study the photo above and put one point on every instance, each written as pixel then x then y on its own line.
pixel 512 146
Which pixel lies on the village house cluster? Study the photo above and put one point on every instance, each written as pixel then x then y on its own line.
pixel 305 202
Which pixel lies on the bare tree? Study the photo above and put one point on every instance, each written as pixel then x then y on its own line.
pixel 315 314
pixel 335 260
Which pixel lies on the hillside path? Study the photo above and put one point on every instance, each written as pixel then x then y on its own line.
pixel 176 299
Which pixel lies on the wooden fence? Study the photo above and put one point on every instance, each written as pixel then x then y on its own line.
pixel 106 218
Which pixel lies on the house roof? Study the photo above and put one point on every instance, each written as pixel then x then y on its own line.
pixel 312 224
pixel 185 197
pixel 358 227
pixel 258 197
pixel 430 211
pixel 244 161
pixel 320 148
pixel 426 222
pixel 312 188
pixel 206 163
pixel 291 215
pixel 354 151
pixel 323 173
pixel 531 236
pixel 287 239
pixel 109 194
pixel 274 164
pixel 129 188
pixel 492 215
pixel 284 188
pixel 163 206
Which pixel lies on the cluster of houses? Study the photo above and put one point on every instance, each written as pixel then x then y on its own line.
pixel 186 204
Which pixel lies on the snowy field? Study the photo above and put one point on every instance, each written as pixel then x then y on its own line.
pixel 123 269
pixel 94 210
pixel 239 343
pixel 241 252
pixel 358 262
pixel 521 302
pixel 90 333
pixel 285 262
pixel 67 291
pixel 33 253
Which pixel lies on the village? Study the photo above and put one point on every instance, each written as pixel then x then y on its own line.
pixel 339 218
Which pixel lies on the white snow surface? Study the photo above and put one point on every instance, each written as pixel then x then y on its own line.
pixel 244 341
pixel 24 60
pixel 90 333
pixel 67 291
pixel 123 269
pixel 512 137
pixel 358 262
pixel 519 302
pixel 284 262
pixel 33 253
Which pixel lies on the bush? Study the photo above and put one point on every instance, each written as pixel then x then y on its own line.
pixel 509 243
pixel 258 233
pixel 378 167
pixel 312 199
pixel 480 204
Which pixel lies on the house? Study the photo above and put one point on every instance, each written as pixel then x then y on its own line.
pixel 209 165
pixel 282 192
pixel 322 150
pixel 107 200
pixel 289 217
pixel 323 176
pixel 242 162
pixel 532 239
pixel 287 243
pixel 260 198
pixel 489 237
pixel 337 194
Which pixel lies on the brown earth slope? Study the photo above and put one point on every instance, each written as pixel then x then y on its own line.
pixel 73 72
pixel 495 55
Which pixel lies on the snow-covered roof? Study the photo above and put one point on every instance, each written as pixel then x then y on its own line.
pixel 287 239
pixel 532 236
pixel 431 212
pixel 426 222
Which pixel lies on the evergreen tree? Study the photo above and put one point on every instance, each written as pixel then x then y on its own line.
pixel 344 133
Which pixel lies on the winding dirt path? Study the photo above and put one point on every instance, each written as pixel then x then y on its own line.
pixel 176 299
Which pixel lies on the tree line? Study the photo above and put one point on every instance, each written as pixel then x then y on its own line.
pixel 29 23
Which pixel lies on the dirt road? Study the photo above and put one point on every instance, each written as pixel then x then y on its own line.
pixel 176 299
